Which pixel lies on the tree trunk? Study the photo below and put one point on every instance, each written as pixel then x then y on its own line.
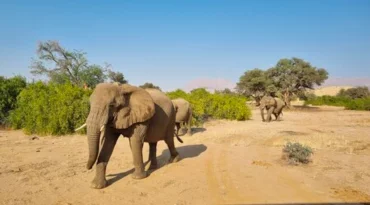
pixel 287 99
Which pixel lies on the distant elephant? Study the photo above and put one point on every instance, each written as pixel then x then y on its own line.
pixel 141 115
pixel 272 105
pixel 184 114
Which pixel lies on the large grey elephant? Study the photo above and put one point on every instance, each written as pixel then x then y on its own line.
pixel 184 114
pixel 141 115
pixel 272 105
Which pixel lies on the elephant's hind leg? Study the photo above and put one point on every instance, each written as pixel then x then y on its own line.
pixel 276 116
pixel 99 181
pixel 153 155
pixel 189 129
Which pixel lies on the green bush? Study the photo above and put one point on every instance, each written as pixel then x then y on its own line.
pixel 54 109
pixel 345 101
pixel 9 90
pixel 359 104
pixel 296 153
pixel 217 105
pixel 57 109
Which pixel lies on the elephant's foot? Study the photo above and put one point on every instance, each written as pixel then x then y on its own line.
pixel 174 159
pixel 99 183
pixel 153 166
pixel 138 174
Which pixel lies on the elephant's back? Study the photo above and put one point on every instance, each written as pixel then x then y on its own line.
pixel 280 104
pixel 268 101
pixel 163 118
pixel 183 106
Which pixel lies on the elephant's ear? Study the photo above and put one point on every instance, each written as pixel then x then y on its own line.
pixel 136 105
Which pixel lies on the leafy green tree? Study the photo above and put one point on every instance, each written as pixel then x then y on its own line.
pixel 292 76
pixel 116 77
pixel 150 85
pixel 9 90
pixel 92 75
pixel 255 83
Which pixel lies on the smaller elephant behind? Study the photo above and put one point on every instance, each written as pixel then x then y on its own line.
pixel 272 105
pixel 184 114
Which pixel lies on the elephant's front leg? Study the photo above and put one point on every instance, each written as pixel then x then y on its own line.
pixel 136 142
pixel 269 112
pixel 262 114
pixel 109 142
pixel 153 155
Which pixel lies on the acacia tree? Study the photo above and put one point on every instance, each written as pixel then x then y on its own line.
pixel 61 66
pixel 289 77
pixel 294 76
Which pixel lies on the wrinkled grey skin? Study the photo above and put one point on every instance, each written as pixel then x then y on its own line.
pixel 184 114
pixel 141 115
pixel 272 105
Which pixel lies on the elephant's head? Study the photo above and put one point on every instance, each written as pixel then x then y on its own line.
pixel 118 106
pixel 258 95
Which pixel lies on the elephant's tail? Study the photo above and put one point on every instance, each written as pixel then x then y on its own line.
pixel 178 138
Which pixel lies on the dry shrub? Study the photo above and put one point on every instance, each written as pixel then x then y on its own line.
pixel 296 153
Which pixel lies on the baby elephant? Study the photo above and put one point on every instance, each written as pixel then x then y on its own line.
pixel 183 114
pixel 272 105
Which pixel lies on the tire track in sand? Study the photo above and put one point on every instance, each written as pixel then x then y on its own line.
pixel 212 181
pixel 220 185
pixel 230 191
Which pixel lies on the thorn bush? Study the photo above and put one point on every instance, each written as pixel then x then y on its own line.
pixel 296 153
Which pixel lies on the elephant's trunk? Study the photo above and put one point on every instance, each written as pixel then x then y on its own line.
pixel 95 122
pixel 93 137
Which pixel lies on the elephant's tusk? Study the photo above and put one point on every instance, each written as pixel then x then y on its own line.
pixel 102 128
pixel 84 125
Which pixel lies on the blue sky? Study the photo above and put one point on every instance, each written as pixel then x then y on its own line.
pixel 184 43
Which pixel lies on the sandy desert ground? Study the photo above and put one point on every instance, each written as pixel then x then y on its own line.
pixel 225 162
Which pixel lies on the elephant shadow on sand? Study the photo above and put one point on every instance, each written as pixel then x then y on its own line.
pixel 194 130
pixel 187 151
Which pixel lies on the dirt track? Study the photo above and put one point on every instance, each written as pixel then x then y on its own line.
pixel 226 162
